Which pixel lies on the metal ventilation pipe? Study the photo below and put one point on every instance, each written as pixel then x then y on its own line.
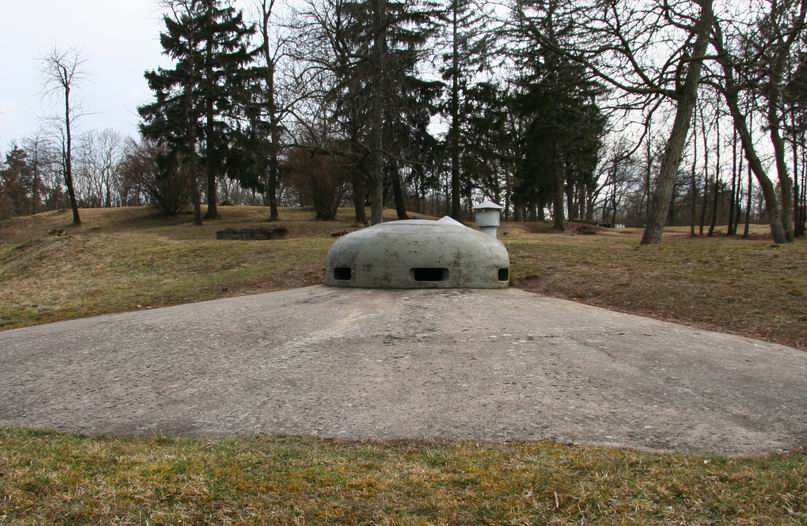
pixel 488 217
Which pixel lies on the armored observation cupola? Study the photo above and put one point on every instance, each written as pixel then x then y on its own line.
pixel 418 254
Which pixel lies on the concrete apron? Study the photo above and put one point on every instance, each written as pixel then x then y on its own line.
pixel 407 364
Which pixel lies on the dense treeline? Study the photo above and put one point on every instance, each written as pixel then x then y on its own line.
pixel 642 112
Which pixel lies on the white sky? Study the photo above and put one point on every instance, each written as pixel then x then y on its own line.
pixel 119 40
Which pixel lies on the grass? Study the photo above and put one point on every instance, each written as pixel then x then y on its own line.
pixel 128 259
pixel 748 287
pixel 125 259
pixel 48 478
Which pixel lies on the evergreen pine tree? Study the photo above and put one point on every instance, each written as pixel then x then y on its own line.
pixel 467 44
pixel 561 145
pixel 199 101
pixel 371 51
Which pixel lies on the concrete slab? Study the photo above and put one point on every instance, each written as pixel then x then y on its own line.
pixel 420 364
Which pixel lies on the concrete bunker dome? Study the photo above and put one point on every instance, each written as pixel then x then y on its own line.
pixel 418 254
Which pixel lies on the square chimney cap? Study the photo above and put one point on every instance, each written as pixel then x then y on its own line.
pixel 487 204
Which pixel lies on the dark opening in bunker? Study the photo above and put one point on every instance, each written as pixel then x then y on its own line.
pixel 504 274
pixel 429 274
pixel 341 273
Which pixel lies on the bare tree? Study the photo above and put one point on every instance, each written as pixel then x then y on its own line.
pixel 649 52
pixel 693 183
pixel 718 183
pixel 271 56
pixel 97 176
pixel 685 97
pixel 781 29
pixel 705 199
pixel 110 152
pixel 731 89
pixel 62 71
pixel 753 53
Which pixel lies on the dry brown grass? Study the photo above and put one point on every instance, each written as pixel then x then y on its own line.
pixel 48 478
pixel 748 287
pixel 131 258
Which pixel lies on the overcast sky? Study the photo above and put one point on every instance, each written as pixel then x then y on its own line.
pixel 119 40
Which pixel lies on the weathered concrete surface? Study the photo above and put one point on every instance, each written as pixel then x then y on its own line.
pixel 385 255
pixel 482 364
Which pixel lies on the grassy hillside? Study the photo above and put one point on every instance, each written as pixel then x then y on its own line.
pixel 127 259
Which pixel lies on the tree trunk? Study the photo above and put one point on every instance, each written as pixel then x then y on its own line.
pixel 518 213
pixel 581 202
pixel 557 201
pixel 796 207
pixel 614 207
pixel 738 193
pixel 508 192
pixel 748 205
pixel 705 200
pixel 359 195
pixel 730 227
pixel 35 181
pixel 274 170
pixel 785 183
pixel 803 201
pixel 190 132
pixel 210 142
pixel 730 93
pixel 773 92
pixel 274 124
pixel 648 172
pixel 212 206
pixel 397 190
pixel 68 154
pixel 674 148
pixel 570 208
pixel 718 181
pixel 693 184
pixel 798 223
pixel 803 184
pixel 715 202
pixel 671 217
pixel 589 205
pixel 196 197
pixel 377 117
pixel 768 190
pixel 454 132
pixel 612 178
